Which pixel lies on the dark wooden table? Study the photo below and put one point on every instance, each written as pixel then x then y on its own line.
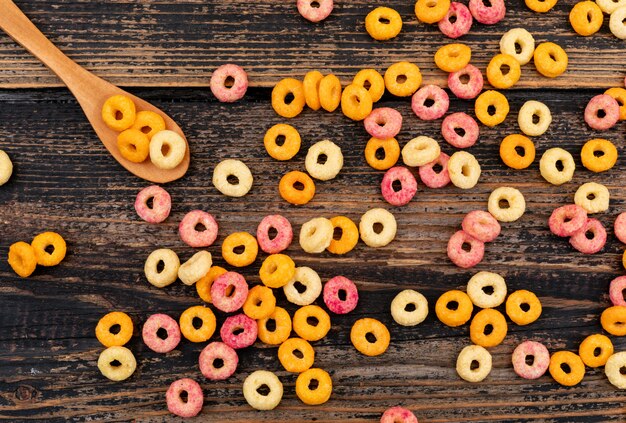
pixel 64 180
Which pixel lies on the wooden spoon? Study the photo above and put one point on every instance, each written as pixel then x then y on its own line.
pixel 90 91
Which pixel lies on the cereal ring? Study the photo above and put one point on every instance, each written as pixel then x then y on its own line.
pixel 356 102
pixel 6 167
pixel 402 79
pixel 526 118
pixel 592 197
pixel 238 171
pixel 308 279
pixel 523 307
pixel 368 232
pixel 218 352
pixel 229 83
pixel 431 12
pixel 239 331
pixel 236 241
pixel 514 204
pixel 518 38
pixel 420 151
pixel 311 85
pixel 118 112
pixel 389 151
pixel 280 241
pixel 330 93
pixel 188 407
pixel 454 308
pixel 195 268
pixel 340 295
pixel 277 270
pixel 408 186
pixel 487 13
pixel 134 145
pixel 510 155
pixel 383 23
pixel 470 88
pixel 311 323
pixel 566 368
pixel 610 6
pixel 349 235
pixel 619 94
pixel 464 170
pixel 462 21
pixel 288 89
pixel 567 220
pixel 598 155
pixel 383 123
pixel 296 187
pixel 465 363
pixel 432 178
pixel 586 18
pixel 595 350
pixel 616 291
pixel 491 108
pixel 316 235
pixel 260 302
pixel 375 81
pixel 44 241
pixel 460 130
pixel 292 362
pixel 161 204
pixel 151 333
pixel 398 414
pixel 481 225
pixel 169 273
pixel 149 123
pixel 540 6
pixel 461 257
pixel 256 380
pixel 409 308
pixel 118 372
pixel 488 328
pixel 613 320
pixel 374 328
pixel 550 59
pixel 314 396
pixel 613 370
pixel 315 13
pixel 189 330
pixel 453 57
pixel 192 237
pixel 174 145
pixel 282 327
pixel 229 292
pixel 497 77
pixel 581 241
pixel 114 329
pixel 603 105
pixel 290 141
pixel 486 289
pixel 539 360
pixel 426 95
pixel 203 286
pixel 549 166
pixel 324 160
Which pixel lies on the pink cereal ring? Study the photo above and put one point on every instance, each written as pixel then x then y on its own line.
pixel 620 227
pixel 229 291
pixel 218 83
pixel 540 360
pixel 152 327
pixel 481 225
pixel 333 293
pixel 487 15
pixel 461 25
pixel 398 415
pixel 192 237
pixel 463 123
pixel 235 323
pixel 218 351
pixel 471 88
pixel 195 398
pixel 433 179
pixel 315 14
pixel 616 291
pixel 283 237
pixel 383 123
pixel 582 243
pixel 459 256
pixel 408 186
pixel 602 103
pixel 566 220
pixel 161 204
pixel 438 96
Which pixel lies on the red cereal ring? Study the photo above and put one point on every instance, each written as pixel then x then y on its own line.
pixel 155 342
pixel 471 88
pixel 487 15
pixel 463 123
pixel 218 351
pixel 408 186
pixel 283 237
pixel 333 293
pixel 459 256
pixel 566 220
pixel 433 179
pixel 235 323
pixel 620 227
pixel 195 398
pixel 383 123
pixel 608 105
pixel 398 415
pixel 581 241
pixel 193 238
pixel 616 291
pixel 434 111
pixel 161 204
pixel 540 360
pixel 462 24
pixel 236 91
pixel 317 13
pixel 229 292
pixel 481 225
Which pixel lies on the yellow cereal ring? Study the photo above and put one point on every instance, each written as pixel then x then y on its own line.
pixel 311 331
pixel 277 270
pixel 613 320
pixel 134 145
pixel 349 235
pixel 550 59
pixel 107 325
pixel 290 145
pixel 389 150
pixel 118 112
pixel 487 101
pixel 149 123
pixel 45 240
pixel 511 157
pixel 372 81
pixel 454 308
pixel 314 396
pixel 431 11
pixel 561 361
pixel 453 57
pixel 238 240
pixel 204 332
pixel 497 77
pixel 588 350
pixel 605 158
pixel 479 333
pixel 359 338
pixel 383 23
pixel 288 187
pixel 22 259
pixel 586 18
pixel 292 362
pixel 260 302
pixel 330 93
pixel 282 327
pixel 311 85
pixel 402 79
pixel 619 94
pixel 540 6
pixel 203 286
pixel 523 307
pixel 288 87
pixel 356 102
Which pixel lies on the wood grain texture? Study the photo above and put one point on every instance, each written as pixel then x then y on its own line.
pixel 179 43
pixel 64 180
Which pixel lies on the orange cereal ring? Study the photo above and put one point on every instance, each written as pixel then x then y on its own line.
pixel 330 93
pixel 134 145
pixel 114 329
pixel 236 241
pixel 292 362
pixel 431 11
pixel 260 302
pixel 286 88
pixel 311 323
pixel 118 112
pixel 204 332
pixel 540 6
pixel 402 79
pixel 290 141
pixel 454 308
pixel 383 23
pixel 277 270
pixel 550 59
pixel 509 154
pixel 149 123
pixel 282 327
pixel 497 77
pixel 598 155
pixel 387 150
pixel 619 94
pixel 378 340
pixel 488 328
pixel 586 18
pixel 22 259
pixel 49 239
pixel 523 307
pixel 311 85
pixel 453 57
pixel 296 187
pixel 491 108
pixel 314 395
pixel 613 320
pixel 349 235
pixel 203 286
pixel 376 83
pixel 595 350
pixel 566 368
pixel 356 102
